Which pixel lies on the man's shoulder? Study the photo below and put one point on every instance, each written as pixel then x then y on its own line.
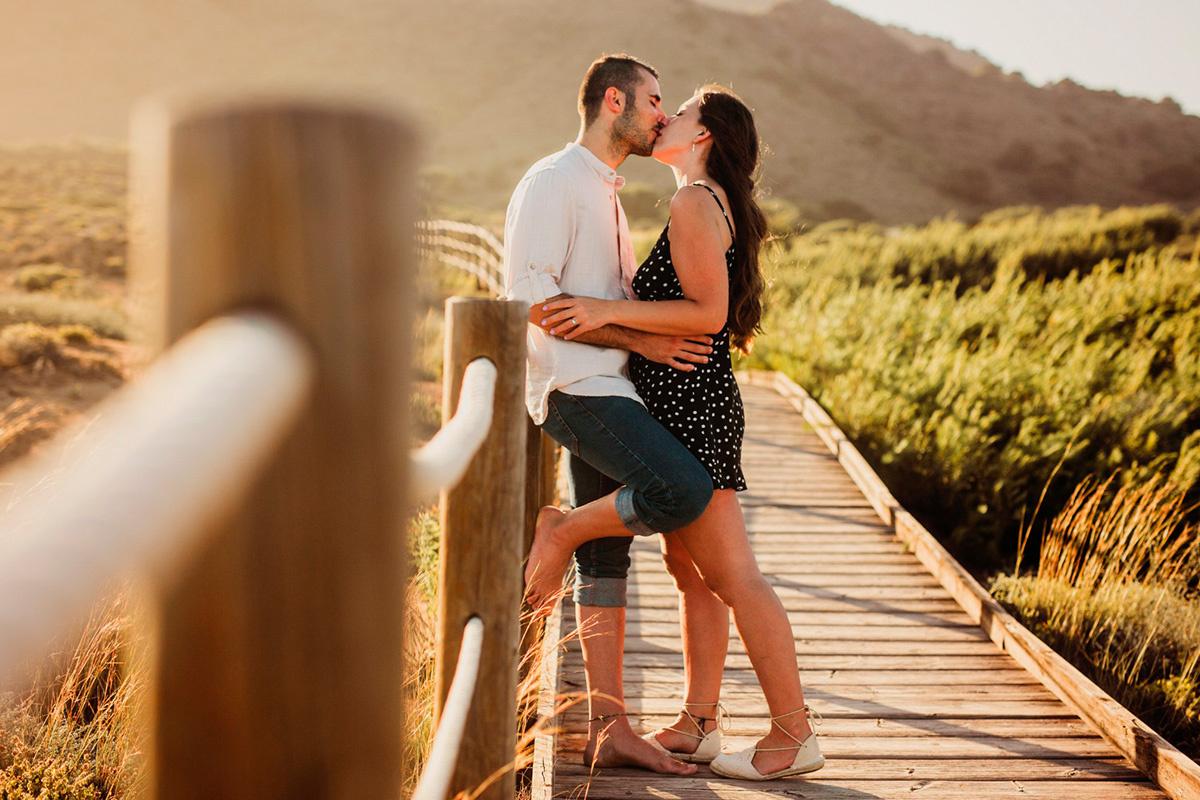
pixel 558 168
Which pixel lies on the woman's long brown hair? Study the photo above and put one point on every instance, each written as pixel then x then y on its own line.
pixel 733 162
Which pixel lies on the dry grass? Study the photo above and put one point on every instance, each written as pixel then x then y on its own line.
pixel 43 277
pixel 104 317
pixel 73 735
pixel 420 639
pixel 1114 593
pixel 73 349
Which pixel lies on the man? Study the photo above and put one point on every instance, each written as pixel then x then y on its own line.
pixel 566 233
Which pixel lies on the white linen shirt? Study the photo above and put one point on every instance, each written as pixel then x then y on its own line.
pixel 565 231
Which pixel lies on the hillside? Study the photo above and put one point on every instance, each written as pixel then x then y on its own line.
pixel 860 121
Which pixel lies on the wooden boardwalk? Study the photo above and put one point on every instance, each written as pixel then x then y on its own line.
pixel 918 702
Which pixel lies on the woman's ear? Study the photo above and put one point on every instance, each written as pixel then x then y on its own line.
pixel 703 136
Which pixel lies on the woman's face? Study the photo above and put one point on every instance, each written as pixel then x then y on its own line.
pixel 674 144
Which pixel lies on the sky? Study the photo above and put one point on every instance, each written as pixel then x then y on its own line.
pixel 1149 48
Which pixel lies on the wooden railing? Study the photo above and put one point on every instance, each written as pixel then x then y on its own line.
pixel 257 477
pixel 467 248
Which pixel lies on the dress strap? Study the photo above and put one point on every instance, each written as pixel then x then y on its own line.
pixel 720 205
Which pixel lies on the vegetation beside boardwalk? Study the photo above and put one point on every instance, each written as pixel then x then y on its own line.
pixel 968 394
pixel 1030 357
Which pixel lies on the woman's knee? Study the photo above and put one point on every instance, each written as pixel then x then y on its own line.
pixel 683 571
pixel 732 588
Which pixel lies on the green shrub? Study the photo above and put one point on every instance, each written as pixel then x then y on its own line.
pixel 967 398
pixel 1039 245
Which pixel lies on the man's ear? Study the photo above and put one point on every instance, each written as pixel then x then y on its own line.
pixel 614 99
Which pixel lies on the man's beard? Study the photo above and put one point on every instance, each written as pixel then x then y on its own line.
pixel 628 139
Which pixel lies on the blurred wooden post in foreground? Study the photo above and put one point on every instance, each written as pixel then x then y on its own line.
pixel 278 645
pixel 483 539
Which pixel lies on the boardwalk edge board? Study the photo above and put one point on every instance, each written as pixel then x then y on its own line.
pixel 1158 759
pixel 545 746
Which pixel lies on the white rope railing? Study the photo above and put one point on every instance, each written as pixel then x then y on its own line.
pixel 440 464
pixel 166 458
pixel 443 755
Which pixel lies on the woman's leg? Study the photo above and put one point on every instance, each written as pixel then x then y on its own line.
pixel 720 549
pixel 704 624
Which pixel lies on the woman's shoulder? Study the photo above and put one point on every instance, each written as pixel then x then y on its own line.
pixel 699 204
pixel 694 202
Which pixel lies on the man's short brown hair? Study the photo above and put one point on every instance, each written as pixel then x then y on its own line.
pixel 620 71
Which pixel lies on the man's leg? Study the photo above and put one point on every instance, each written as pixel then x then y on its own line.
pixel 662 485
pixel 602 567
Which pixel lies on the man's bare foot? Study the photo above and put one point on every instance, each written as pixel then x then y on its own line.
pixel 547 559
pixel 622 748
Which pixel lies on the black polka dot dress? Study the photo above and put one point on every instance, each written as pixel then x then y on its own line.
pixel 703 408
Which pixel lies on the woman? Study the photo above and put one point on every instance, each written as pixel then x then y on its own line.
pixel 703 275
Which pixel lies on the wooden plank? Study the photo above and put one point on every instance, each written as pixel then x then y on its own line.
pixel 857 633
pixel 832 603
pixel 806 648
pixel 840 678
pixel 827 663
pixel 842 619
pixel 545 744
pixel 749 692
pixel 813 787
pixel 947 736
pixel 900 707
pixel 921 768
pixel 832 588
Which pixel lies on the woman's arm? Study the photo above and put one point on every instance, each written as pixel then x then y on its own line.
pixel 698 252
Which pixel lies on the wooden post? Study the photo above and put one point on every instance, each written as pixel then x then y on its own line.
pixel 541 473
pixel 277 652
pixel 541 470
pixel 482 539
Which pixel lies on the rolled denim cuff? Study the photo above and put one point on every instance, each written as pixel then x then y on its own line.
pixel 628 514
pixel 607 592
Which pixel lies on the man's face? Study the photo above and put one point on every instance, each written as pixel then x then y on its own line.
pixel 642 118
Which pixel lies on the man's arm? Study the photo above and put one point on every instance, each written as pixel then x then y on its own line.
pixel 680 352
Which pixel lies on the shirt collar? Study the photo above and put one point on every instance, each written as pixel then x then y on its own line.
pixel 599 167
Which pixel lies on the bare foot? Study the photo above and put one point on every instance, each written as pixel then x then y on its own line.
pixel 547 559
pixel 625 749
pixel 774 760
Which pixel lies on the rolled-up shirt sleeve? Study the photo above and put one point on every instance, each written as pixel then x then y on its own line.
pixel 538 232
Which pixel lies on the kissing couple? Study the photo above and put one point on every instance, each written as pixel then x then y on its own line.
pixel 629 369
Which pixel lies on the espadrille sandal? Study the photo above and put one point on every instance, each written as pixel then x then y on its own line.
pixel 741 764
pixel 710 743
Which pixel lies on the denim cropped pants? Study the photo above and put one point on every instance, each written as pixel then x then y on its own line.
pixel 615 445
